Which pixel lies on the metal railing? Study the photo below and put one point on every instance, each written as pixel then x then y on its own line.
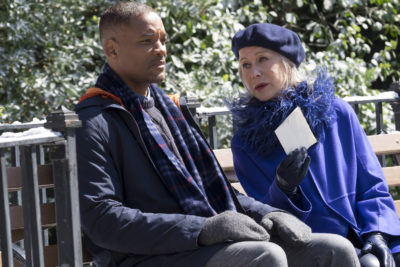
pixel 27 152
pixel 391 97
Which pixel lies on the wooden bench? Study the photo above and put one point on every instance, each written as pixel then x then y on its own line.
pixel 47 212
pixel 29 165
pixel 383 145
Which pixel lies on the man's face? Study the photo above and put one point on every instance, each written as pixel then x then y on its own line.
pixel 140 51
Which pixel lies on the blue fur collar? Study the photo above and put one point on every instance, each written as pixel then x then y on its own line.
pixel 255 121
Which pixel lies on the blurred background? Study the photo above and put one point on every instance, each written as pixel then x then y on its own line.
pixel 50 51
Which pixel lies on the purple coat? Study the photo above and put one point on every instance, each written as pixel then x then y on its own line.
pixel 344 174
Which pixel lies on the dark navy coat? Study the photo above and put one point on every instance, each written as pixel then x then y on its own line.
pixel 344 175
pixel 128 216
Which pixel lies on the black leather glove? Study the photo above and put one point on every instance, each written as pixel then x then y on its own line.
pixel 288 227
pixel 292 169
pixel 233 226
pixel 376 243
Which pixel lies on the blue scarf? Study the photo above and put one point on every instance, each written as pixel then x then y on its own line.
pixel 198 184
pixel 255 121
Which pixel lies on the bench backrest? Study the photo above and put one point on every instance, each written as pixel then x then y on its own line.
pixel 383 145
pixel 47 213
pixel 29 164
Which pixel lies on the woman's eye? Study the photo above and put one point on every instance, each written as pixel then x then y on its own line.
pixel 263 59
pixel 246 65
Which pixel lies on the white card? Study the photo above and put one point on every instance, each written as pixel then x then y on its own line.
pixel 294 132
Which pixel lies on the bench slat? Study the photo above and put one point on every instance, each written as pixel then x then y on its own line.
pixel 397 204
pixel 51 256
pixel 225 159
pixel 385 143
pixel 47 213
pixel 392 175
pixel 238 187
pixel 45 177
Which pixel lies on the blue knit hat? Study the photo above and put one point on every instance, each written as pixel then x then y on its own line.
pixel 271 36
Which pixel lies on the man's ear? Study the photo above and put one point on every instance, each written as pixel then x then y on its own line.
pixel 111 49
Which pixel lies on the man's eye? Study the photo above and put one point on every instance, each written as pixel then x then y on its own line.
pixel 246 65
pixel 146 41
pixel 263 59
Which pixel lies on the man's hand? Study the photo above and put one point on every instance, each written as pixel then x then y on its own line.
pixel 231 225
pixel 376 244
pixel 287 227
pixel 292 169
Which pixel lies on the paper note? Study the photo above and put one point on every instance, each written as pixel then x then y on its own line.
pixel 294 132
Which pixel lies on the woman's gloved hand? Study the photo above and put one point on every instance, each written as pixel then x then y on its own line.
pixel 376 244
pixel 292 169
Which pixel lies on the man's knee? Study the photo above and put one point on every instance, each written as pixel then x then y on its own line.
pixel 342 246
pixel 339 248
pixel 369 260
pixel 249 253
pixel 271 254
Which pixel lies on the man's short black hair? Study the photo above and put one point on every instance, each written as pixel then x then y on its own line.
pixel 120 14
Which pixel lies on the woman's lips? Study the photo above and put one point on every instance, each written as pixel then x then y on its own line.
pixel 260 86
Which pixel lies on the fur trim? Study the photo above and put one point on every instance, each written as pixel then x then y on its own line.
pixel 255 121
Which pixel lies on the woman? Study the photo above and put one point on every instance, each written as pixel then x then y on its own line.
pixel 337 185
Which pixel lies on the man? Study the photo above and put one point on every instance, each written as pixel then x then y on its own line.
pixel 151 190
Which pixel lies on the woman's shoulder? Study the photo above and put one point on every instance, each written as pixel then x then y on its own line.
pixel 238 145
pixel 344 112
pixel 236 142
pixel 342 107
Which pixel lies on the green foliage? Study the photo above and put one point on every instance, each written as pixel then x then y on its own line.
pixel 50 51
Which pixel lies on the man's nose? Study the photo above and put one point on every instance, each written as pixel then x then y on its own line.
pixel 160 49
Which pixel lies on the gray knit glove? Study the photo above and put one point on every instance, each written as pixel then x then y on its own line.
pixel 287 227
pixel 233 226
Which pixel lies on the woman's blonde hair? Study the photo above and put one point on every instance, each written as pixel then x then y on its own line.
pixel 293 76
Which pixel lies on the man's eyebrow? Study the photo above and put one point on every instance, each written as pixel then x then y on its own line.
pixel 152 33
pixel 148 33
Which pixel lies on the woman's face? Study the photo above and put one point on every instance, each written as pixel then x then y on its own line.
pixel 262 72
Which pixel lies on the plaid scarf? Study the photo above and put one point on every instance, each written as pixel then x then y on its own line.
pixel 197 184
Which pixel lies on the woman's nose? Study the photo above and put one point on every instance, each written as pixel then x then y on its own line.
pixel 255 72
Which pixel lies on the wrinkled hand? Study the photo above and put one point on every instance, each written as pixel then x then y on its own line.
pixel 376 244
pixel 292 169
pixel 231 225
pixel 287 227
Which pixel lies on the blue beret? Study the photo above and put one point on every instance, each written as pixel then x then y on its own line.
pixel 271 36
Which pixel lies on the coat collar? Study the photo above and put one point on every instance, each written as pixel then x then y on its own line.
pixel 255 121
